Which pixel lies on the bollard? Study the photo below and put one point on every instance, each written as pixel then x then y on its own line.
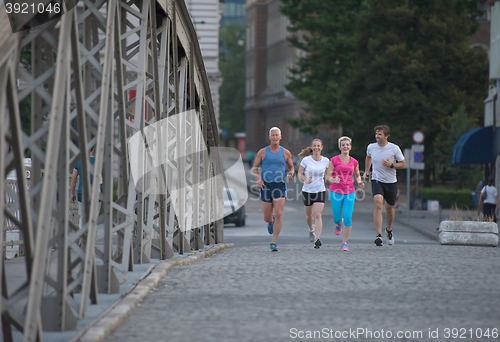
pixel 471 233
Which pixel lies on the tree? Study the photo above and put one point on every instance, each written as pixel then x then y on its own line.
pixel 413 66
pixel 25 104
pixel 232 67
pixel 325 31
pixel 452 129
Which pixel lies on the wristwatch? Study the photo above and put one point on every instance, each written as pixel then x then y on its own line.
pixel 392 166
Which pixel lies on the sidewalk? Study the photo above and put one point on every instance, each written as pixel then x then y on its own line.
pixel 103 317
pixel 427 222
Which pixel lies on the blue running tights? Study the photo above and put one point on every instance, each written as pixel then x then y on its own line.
pixel 337 200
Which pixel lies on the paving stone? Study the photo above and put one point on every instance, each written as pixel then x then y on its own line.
pixel 251 294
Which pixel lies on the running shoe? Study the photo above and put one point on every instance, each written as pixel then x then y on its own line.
pixel 317 243
pixel 338 228
pixel 378 240
pixel 274 247
pixel 344 246
pixel 390 237
pixel 270 226
pixel 312 235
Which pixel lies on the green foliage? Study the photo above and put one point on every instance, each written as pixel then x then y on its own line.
pixel 115 197
pixel 232 67
pixel 25 111
pixel 318 78
pixel 25 55
pixel 448 197
pixel 404 63
pixel 452 128
pixel 25 104
pixel 414 66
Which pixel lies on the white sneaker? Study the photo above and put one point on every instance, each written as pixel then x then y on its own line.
pixel 390 236
pixel 312 235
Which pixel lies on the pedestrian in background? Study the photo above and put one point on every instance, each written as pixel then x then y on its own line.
pixel 342 192
pixel 384 157
pixel 273 160
pixel 312 172
pixel 490 204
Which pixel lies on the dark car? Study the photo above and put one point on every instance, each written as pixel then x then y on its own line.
pixel 234 210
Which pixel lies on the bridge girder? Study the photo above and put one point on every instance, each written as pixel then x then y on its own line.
pixel 84 68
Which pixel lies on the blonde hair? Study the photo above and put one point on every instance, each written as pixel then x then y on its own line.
pixel 345 138
pixel 308 150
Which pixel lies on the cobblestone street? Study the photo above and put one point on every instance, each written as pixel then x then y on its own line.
pixel 250 294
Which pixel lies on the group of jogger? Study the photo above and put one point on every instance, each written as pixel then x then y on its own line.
pixel 382 157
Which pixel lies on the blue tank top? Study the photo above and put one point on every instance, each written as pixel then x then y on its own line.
pixel 273 166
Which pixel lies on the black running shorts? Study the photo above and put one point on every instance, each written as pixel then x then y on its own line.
pixel 388 190
pixel 310 198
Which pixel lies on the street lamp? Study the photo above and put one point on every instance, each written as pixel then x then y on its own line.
pixel 241 39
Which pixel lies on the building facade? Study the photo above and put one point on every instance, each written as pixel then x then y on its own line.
pixel 233 12
pixel 206 15
pixel 492 103
pixel 268 59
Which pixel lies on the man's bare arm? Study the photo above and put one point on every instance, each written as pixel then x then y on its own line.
pixel 258 160
pixel 74 176
pixel 289 162
pixel 400 165
pixel 368 164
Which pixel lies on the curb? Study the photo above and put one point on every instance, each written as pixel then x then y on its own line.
pixel 420 230
pixel 110 319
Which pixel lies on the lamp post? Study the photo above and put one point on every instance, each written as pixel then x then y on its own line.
pixel 241 39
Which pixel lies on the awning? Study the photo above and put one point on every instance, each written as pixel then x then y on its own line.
pixel 478 146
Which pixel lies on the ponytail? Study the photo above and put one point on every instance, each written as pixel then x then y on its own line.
pixel 306 152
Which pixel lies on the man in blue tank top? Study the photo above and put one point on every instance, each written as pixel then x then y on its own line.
pixel 273 160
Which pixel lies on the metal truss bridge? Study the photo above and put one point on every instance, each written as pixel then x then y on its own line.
pixel 96 76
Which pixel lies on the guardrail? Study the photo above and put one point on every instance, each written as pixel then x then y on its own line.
pixel 11 233
pixel 12 236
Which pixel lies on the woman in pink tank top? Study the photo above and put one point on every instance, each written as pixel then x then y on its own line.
pixel 342 191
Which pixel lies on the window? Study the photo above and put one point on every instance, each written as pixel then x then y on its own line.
pixel 234 10
pixel 250 36
pixel 484 8
pixel 276 29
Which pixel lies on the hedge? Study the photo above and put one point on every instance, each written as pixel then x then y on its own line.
pixel 448 197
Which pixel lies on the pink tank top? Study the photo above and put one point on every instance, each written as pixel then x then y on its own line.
pixel 344 172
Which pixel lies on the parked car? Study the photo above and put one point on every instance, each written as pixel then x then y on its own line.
pixel 234 209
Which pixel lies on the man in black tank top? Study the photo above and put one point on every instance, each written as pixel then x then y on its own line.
pixel 273 160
